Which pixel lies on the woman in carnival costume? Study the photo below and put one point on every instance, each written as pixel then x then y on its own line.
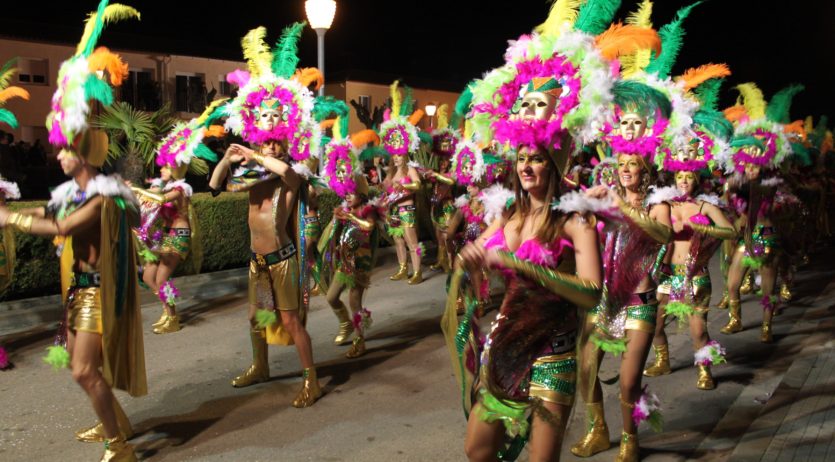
pixel 399 138
pixel 349 242
pixel 274 113
pixel 169 229
pixel 94 213
pixel 551 96
pixel 760 146
pixel 699 227
pixel 474 170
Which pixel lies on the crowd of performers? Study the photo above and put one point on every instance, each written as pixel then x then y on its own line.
pixel 579 181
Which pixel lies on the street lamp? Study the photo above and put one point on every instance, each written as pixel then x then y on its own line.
pixel 320 16
pixel 430 111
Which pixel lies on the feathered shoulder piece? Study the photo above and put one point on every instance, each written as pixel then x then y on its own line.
pixel 69 192
pixel 496 200
pixel 569 57
pixel 664 194
pixel 710 199
pixel 274 88
pixel 87 75
pixel 578 202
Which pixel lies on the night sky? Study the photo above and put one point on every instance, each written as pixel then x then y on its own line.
pixel 449 42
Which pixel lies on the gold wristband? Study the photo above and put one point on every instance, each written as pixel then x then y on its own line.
pixel 413 186
pixel 258 158
pixel 715 231
pixel 20 222
pixel 581 292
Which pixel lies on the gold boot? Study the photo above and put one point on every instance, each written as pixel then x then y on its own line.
pixel 95 434
pixel 259 371
pixel 171 324
pixel 765 335
pixel 735 314
pixel 416 278
pixel 357 348
pixel 310 391
pixel 747 284
pixel 161 319
pixel 723 303
pixel 597 438
pixel 442 264
pixel 662 362
pixel 785 292
pixel 628 448
pixel 401 274
pixel 705 381
pixel 346 327
pixel 118 450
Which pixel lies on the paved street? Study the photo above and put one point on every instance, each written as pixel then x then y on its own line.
pixel 400 402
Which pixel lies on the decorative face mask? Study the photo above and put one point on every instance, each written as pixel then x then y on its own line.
pixel 270 113
pixel 342 171
pixel 537 106
pixel 632 126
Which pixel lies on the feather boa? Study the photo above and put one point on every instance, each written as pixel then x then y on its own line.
pixel 101 185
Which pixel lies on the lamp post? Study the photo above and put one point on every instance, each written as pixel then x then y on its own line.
pixel 320 16
pixel 430 111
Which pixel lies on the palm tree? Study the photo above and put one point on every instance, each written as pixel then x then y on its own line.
pixel 134 135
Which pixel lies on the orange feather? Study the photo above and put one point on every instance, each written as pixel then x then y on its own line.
pixel 309 75
pixel 13 92
pixel 796 128
pixel 104 60
pixel 326 124
pixel 364 137
pixel 214 131
pixel 416 116
pixel 695 76
pixel 735 113
pixel 622 40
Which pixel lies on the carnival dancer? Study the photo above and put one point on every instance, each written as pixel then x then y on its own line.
pixel 168 233
pixel 273 112
pixel 534 104
pixel 699 227
pixel 350 240
pixel 399 137
pixel 8 189
pixel 94 212
pixel 762 146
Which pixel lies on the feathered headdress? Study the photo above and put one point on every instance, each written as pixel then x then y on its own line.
pixel 343 168
pixel 185 141
pixel 8 92
pixel 272 84
pixel 446 136
pixel 755 119
pixel 87 75
pixel 398 132
pixel 568 57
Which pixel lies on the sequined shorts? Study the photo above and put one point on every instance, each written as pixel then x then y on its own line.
pixel 176 241
pixel 554 377
pixel 764 242
pixel 638 314
pixel 84 309
pixel 274 280
pixel 442 214
pixel 402 217
pixel 673 279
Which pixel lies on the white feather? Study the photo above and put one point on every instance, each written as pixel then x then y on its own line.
pixel 664 194
pixel 773 181
pixel 302 170
pixel 9 189
pixel 576 201
pixel 710 199
pixel 181 185
pixel 495 200
pixel 462 200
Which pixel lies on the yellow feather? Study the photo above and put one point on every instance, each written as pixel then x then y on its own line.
pixel 337 133
pixel 209 109
pixel 112 13
pixel 443 116
pixel 562 11
pixel 395 99
pixel 257 52
pixel 809 124
pixel 642 16
pixel 13 92
pixel 752 99
pixel 468 130
pixel 6 77
pixel 639 60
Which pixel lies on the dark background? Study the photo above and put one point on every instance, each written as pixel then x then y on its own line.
pixel 447 43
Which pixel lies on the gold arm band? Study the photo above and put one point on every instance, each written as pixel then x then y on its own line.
pixel 658 232
pixel 20 222
pixel 413 186
pixel 148 196
pixel 585 294
pixel 444 179
pixel 365 225
pixel 258 158
pixel 718 232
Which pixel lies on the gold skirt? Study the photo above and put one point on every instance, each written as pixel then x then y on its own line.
pixel 275 286
pixel 84 310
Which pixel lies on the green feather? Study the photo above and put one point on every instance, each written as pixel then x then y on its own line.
pixel 285 53
pixel 97 89
pixel 752 262
pixel 819 134
pixel 425 138
pixel 203 152
pixel 8 118
pixel 612 346
pixel 371 152
pixel 714 122
pixel 743 141
pixel 324 106
pixel 596 15
pixel 779 108
pixel 265 318
pixel 630 94
pixel 708 93
pixel 408 105
pixel 57 356
pixel 99 26
pixel 801 155
pixel 215 115
pixel 672 39
pixel 462 107
pixel 680 310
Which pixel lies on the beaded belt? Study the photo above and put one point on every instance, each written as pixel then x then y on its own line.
pixel 274 257
pixel 564 343
pixel 82 280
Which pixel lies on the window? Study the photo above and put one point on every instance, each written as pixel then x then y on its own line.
pixel 191 93
pixel 141 91
pixel 33 71
pixel 365 101
pixel 225 87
